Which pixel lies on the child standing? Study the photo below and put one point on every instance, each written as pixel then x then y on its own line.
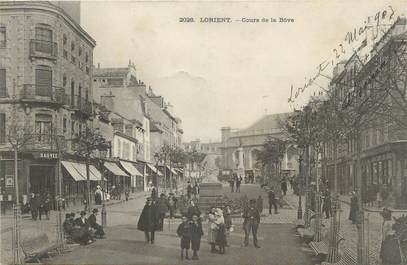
pixel 184 232
pixel 196 234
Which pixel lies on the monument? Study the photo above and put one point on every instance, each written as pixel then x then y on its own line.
pixel 210 192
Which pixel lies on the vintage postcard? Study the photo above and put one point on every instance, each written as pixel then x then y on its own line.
pixel 203 132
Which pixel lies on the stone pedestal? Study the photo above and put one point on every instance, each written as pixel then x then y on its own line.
pixel 210 194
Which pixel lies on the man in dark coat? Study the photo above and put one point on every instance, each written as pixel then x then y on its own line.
pixel 149 221
pixel 94 225
pixel 196 234
pixel 82 233
pixel 259 204
pixel 34 205
pixel 251 222
pixel 354 208
pixel 272 200
pixel 284 186
pixel 238 183
pixel 162 208
pixel 327 206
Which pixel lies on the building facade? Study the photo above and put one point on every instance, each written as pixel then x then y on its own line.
pixel 383 140
pixel 239 147
pixel 45 90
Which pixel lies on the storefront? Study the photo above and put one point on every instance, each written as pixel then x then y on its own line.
pixel 154 176
pixel 134 175
pixel 116 177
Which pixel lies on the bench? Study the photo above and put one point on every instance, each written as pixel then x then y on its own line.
pixel 348 258
pixel 321 248
pixel 37 247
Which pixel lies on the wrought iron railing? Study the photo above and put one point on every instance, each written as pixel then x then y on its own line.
pixel 45 141
pixel 43 49
pixel 79 103
pixel 43 93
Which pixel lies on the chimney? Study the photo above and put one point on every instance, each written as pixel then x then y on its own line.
pixel 108 101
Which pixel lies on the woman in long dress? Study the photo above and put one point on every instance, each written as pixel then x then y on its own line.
pixel 212 230
pixel 390 248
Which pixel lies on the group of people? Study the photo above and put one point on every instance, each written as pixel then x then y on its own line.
pixel 82 230
pixel 39 205
pixel 192 190
pixel 235 182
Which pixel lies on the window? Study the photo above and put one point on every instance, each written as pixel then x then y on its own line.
pixel 43 37
pixel 2 127
pixel 64 124
pixel 73 59
pixel 72 46
pixel 80 51
pixel 65 54
pixel 43 81
pixel 72 128
pixel 3 88
pixel 43 127
pixel 72 92
pixel 64 39
pixel 3 37
pixel 64 81
pixel 86 57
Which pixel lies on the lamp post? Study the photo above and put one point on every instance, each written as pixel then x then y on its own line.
pixel 299 212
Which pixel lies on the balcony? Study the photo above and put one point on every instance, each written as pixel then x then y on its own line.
pixel 44 141
pixel 79 103
pixel 43 49
pixel 40 93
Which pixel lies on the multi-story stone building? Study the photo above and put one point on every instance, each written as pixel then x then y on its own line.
pixel 239 147
pixel 383 140
pixel 45 89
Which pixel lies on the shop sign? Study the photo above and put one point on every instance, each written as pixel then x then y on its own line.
pixel 9 181
pixel 46 155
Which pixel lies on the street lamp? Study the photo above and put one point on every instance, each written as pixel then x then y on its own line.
pixel 299 212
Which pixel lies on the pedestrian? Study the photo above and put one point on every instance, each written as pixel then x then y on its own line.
pixel 127 193
pixel 68 227
pixel 232 184
pixel 99 232
pixel 83 235
pixel 154 195
pixel 172 204
pixel 259 204
pixel 221 233
pixel 193 209
pixel 41 201
pixel 189 190
pixel 284 186
pixel 251 223
pixel 196 234
pixel 354 208
pixel 184 232
pixel 327 206
pixel 212 230
pixel 195 191
pixel 272 201
pixel 238 182
pixel 162 210
pixel 149 220
pixel 34 204
pixel 390 247
pixel 98 195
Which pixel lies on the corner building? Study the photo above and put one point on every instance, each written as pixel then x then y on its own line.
pixel 45 88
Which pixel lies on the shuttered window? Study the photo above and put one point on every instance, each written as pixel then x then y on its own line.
pixel 3 88
pixel 44 40
pixel 2 127
pixel 3 37
pixel 43 82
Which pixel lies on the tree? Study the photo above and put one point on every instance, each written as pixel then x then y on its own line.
pixel 85 144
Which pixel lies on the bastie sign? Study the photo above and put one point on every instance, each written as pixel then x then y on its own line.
pixel 46 155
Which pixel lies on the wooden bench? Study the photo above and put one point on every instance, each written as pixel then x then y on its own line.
pixel 37 247
pixel 348 258
pixel 321 248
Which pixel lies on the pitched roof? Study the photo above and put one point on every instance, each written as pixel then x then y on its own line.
pixel 271 121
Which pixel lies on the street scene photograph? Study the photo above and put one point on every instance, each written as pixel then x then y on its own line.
pixel 203 132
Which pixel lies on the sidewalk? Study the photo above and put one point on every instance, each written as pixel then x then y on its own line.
pixel 30 228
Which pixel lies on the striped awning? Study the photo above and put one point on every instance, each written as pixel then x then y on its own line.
pixel 154 169
pixel 114 169
pixel 172 170
pixel 132 170
pixel 72 171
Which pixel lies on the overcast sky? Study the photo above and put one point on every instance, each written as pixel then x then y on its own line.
pixel 226 74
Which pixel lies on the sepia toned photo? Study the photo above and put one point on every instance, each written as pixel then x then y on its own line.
pixel 203 132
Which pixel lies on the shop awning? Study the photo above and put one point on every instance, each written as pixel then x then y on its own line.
pixel 72 171
pixel 154 169
pixel 95 172
pixel 130 168
pixel 172 170
pixel 81 168
pixel 114 169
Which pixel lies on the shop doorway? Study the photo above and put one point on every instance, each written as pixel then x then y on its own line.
pixel 42 180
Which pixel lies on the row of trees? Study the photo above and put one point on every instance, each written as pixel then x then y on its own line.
pixel 361 97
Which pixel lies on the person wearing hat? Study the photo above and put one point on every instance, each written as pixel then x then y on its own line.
pixel 149 220
pixel 251 223
pixel 98 195
pixel 94 225
pixel 390 248
pixel 83 235
pixel 354 208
